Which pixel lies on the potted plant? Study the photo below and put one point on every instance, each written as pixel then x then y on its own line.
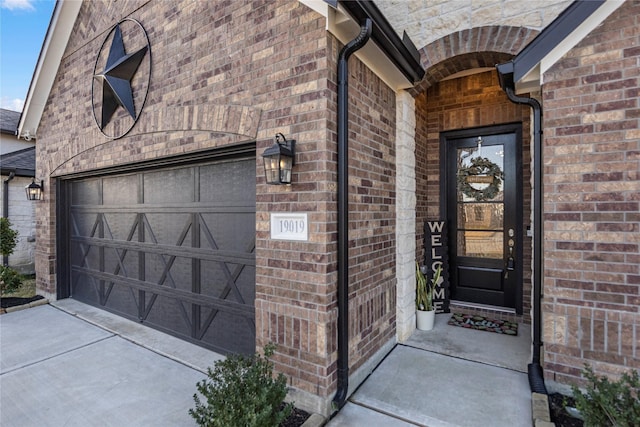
pixel 425 311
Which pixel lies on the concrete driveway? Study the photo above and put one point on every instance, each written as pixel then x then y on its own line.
pixel 57 369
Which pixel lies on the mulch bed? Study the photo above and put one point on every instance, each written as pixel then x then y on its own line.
pixel 7 302
pixel 296 419
pixel 559 415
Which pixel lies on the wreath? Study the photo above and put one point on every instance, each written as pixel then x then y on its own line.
pixel 480 166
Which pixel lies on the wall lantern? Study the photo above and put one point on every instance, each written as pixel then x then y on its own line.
pixel 34 191
pixel 279 160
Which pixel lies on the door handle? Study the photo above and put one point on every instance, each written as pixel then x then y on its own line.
pixel 511 262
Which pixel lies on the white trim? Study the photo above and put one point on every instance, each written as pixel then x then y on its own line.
pixel 55 43
pixel 344 28
pixel 535 77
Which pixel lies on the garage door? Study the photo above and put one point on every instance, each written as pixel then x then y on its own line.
pixel 171 248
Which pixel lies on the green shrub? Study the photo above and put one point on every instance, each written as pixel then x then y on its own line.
pixel 10 279
pixel 607 403
pixel 8 237
pixel 241 391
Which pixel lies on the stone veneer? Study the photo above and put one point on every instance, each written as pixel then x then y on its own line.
pixel 405 215
pixel 428 21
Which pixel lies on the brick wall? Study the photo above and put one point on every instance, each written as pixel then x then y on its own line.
pixel 372 219
pixel 460 103
pixel 233 71
pixel 592 202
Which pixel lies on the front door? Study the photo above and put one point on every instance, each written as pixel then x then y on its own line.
pixel 483 205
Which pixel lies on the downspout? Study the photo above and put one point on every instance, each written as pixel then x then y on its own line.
pixel 536 378
pixel 343 212
pixel 5 208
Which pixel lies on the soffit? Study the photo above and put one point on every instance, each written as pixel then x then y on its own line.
pixel 55 42
pixel 396 61
pixel 555 41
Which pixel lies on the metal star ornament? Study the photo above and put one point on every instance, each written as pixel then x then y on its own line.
pixel 116 79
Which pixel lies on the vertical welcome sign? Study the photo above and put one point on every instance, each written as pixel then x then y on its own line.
pixel 436 255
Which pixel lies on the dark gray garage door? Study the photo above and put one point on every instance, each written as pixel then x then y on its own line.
pixel 171 248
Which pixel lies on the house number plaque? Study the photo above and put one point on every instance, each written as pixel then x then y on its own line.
pixel 289 226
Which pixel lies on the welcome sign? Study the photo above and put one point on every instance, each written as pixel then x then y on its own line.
pixel 436 255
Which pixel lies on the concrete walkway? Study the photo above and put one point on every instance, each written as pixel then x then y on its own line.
pixel 70 364
pixel 417 387
pixel 422 383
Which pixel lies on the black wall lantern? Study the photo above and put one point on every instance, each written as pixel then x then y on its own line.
pixel 279 160
pixel 34 191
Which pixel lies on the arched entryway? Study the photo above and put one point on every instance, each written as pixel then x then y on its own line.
pixel 459 100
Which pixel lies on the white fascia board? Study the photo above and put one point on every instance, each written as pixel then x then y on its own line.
pixel 344 28
pixel 578 34
pixel 320 6
pixel 55 43
pixel 535 77
pixel 531 82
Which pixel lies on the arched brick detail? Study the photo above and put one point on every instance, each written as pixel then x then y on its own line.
pixel 178 127
pixel 471 48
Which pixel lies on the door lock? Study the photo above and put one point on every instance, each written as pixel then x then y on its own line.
pixel 511 262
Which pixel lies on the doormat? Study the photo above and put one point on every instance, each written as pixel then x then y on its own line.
pixel 481 323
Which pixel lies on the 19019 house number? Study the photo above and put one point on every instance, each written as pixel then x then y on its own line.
pixel 289 226
pixel 294 226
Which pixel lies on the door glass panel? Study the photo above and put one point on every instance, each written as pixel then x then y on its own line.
pixel 480 244
pixel 480 196
pixel 481 216
pixel 481 173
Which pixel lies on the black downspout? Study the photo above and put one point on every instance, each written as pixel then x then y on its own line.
pixel 5 208
pixel 343 212
pixel 536 378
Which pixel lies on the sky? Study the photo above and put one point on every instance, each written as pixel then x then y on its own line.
pixel 23 25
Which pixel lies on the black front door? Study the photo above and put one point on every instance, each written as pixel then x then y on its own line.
pixel 483 204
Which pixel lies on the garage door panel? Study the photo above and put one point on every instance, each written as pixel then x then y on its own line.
pixel 119 226
pixel 172 248
pixel 87 192
pixel 85 255
pixel 246 283
pixel 170 314
pixel 179 272
pixel 158 269
pixel 89 291
pixel 237 176
pixel 119 299
pixel 120 190
pixel 169 228
pixel 225 231
pixel 215 279
pixel 85 224
pixel 122 262
pixel 174 186
pixel 238 332
pixel 232 282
